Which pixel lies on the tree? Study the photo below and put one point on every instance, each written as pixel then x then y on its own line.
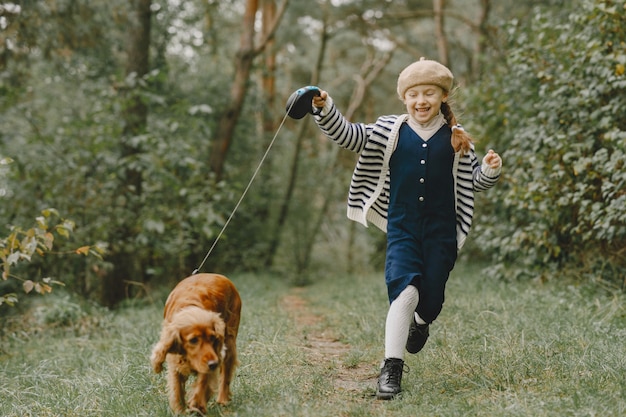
pixel 245 56
pixel 440 34
pixel 126 266
pixel 123 145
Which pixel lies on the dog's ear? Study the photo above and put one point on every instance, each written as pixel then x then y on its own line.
pixel 169 342
pixel 219 327
pixel 174 339
pixel 177 344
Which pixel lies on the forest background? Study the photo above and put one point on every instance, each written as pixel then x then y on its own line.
pixel 129 130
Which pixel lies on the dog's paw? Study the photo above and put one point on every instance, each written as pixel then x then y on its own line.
pixel 194 407
pixel 223 399
pixel 157 364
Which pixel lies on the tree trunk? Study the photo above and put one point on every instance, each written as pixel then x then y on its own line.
pixel 228 121
pixel 372 69
pixel 440 33
pixel 274 239
pixel 269 70
pixel 483 38
pixel 125 265
pixel 243 65
pixel 268 126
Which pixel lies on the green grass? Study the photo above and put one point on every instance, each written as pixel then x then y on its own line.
pixel 518 349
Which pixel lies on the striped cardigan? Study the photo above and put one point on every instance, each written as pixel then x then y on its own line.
pixel 368 198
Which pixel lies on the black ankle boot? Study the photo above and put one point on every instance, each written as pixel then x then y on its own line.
pixel 418 335
pixel 390 379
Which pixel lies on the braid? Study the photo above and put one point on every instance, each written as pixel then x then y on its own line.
pixel 461 140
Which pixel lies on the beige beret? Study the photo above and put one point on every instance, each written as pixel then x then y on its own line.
pixel 422 72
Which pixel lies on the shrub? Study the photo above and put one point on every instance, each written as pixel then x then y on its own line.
pixel 23 245
pixel 558 110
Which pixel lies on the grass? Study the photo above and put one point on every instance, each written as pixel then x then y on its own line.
pixel 517 349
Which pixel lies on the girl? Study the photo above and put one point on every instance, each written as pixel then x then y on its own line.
pixel 415 180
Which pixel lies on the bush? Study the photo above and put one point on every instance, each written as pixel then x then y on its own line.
pixel 23 245
pixel 558 110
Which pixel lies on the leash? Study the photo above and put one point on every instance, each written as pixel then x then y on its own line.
pixel 245 191
pixel 298 105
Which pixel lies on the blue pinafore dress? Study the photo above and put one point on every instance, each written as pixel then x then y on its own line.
pixel 421 219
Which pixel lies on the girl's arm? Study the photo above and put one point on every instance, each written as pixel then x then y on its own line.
pixel 351 136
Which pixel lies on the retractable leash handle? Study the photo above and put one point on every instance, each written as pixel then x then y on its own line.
pixel 299 102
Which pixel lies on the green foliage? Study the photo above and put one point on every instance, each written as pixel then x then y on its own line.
pixel 557 108
pixel 64 93
pixel 65 139
pixel 20 246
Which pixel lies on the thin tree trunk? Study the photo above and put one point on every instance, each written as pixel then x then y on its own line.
pixel 125 265
pixel 269 70
pixel 440 33
pixel 483 38
pixel 293 172
pixel 372 70
pixel 368 73
pixel 267 126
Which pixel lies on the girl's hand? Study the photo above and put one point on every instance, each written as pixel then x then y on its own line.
pixel 319 101
pixel 493 159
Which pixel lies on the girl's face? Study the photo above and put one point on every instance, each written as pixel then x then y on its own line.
pixel 423 102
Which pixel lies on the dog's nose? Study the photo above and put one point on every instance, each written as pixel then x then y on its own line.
pixel 213 365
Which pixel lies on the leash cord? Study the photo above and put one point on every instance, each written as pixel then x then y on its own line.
pixel 245 191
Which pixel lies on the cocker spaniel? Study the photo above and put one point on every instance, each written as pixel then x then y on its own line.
pixel 198 337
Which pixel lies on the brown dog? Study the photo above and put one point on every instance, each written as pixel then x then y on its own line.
pixel 198 336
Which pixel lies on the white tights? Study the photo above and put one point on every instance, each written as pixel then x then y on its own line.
pixel 398 322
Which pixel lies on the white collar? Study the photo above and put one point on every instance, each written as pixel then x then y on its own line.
pixel 427 130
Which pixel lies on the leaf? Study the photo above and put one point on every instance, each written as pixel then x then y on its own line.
pixel 43 288
pixel 63 231
pixel 50 212
pixel 9 299
pixel 48 240
pixel 13 258
pixel 69 225
pixel 201 108
pixel 41 222
pixel 28 286
pixel 51 281
pixel 83 250
pixel 29 245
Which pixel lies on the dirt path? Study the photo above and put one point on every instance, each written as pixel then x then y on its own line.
pixel 324 347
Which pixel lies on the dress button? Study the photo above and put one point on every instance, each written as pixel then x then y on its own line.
pixel 422 162
pixel 421 199
pixel 424 145
pixel 422 180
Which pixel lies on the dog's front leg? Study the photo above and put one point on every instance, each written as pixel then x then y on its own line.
pixel 175 386
pixel 227 371
pixel 201 393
